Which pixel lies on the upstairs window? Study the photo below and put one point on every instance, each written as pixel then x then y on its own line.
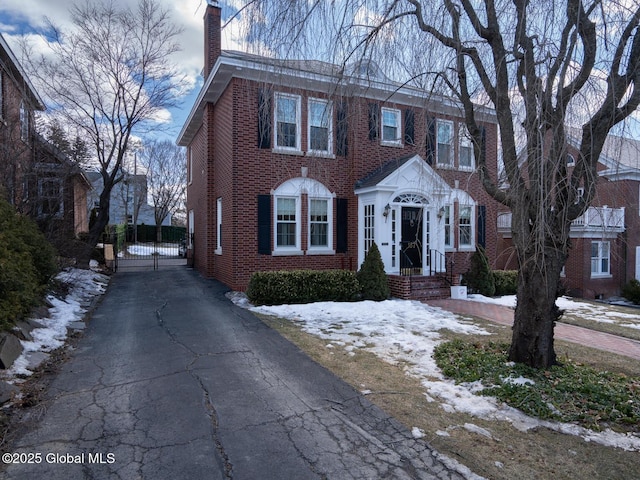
pixel 391 126
pixel 50 197
pixel 287 120
pixel 320 126
pixel 466 160
pixel 445 143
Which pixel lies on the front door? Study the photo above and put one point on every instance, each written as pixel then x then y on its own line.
pixel 411 243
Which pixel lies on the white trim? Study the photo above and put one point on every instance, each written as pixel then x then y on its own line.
pixel 218 250
pixel 465 141
pixel 329 117
pixel 297 149
pixel 450 163
pixel 397 142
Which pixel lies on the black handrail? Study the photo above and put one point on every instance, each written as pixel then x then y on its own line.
pixel 440 259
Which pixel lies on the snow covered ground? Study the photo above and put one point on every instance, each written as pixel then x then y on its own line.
pixel 403 330
pixel 85 286
pixel 594 312
pixel 146 250
pixel 395 330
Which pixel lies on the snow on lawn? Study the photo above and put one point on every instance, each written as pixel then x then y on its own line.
pixel 84 286
pixel 403 330
pixel 602 313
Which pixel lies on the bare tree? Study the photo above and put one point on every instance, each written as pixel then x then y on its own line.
pixel 109 77
pixel 541 65
pixel 166 168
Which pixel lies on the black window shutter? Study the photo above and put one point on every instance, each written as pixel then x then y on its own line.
pixel 264 118
pixel 431 140
pixel 373 121
pixel 409 128
pixel 482 226
pixel 342 148
pixel 342 224
pixel 264 224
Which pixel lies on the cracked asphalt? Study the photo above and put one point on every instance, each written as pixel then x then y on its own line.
pixel 173 381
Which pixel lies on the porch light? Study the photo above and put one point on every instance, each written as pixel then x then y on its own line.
pixel 387 209
pixel 441 212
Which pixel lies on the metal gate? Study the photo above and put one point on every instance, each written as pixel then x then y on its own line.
pixel 143 247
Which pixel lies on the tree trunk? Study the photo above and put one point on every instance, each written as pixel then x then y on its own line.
pixel 96 230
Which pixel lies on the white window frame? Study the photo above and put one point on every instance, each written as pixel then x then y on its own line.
pixel 218 250
pixel 596 262
pixel 465 141
pixel 369 226
pixel 286 249
pixel 449 162
pixel 191 221
pixel 391 113
pixel 321 249
pixel 190 165
pixel 1 95
pixel 447 217
pixel 328 117
pixel 471 225
pixel 284 148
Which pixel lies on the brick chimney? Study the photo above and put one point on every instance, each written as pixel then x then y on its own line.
pixel 212 36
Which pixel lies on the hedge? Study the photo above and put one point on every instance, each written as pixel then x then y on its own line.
pixel 27 263
pixel 506 282
pixel 302 286
pixel 631 291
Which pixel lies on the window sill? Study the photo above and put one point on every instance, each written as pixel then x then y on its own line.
pixel 466 249
pixel 218 251
pixel 320 154
pixel 288 151
pixel 467 169
pixel 286 253
pixel 445 166
pixel 321 251
pixel 392 144
pixel 601 276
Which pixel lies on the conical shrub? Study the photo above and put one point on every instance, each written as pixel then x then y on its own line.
pixel 372 278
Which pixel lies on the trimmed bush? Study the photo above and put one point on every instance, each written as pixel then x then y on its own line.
pixel 631 291
pixel 372 277
pixel 506 282
pixel 302 286
pixel 480 278
pixel 27 263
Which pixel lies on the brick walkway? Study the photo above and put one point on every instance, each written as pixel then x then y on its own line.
pixel 583 336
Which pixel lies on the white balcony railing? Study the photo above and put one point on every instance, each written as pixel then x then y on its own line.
pixel 595 218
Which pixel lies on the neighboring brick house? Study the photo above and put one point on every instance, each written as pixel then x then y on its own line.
pixel 301 164
pixel 18 101
pixel 35 176
pixel 605 241
pixel 60 189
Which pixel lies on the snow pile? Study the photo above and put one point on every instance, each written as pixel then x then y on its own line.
pixel 403 330
pixel 84 286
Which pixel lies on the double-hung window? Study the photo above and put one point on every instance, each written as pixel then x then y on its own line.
pixel 320 135
pixel 218 250
pixel 466 160
pixel 287 120
pixel 50 203
pixel 391 126
pixel 1 96
pixel 465 228
pixel 287 223
pixel 319 224
pixel 600 259
pixel 445 143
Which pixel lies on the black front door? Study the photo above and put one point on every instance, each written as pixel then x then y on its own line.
pixel 411 240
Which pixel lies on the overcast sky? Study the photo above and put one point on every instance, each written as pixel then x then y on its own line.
pixel 25 17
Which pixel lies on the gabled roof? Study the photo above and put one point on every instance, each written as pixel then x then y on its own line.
pixel 21 78
pixel 408 172
pixel 363 80
pixel 62 159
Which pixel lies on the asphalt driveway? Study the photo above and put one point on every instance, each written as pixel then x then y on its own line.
pixel 173 381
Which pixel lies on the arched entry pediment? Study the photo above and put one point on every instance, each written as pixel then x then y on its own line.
pixel 412 198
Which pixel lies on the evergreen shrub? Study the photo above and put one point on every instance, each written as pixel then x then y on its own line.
pixel 506 282
pixel 631 291
pixel 479 278
pixel 302 286
pixel 27 263
pixel 372 277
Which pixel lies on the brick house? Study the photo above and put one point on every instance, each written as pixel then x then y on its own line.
pixel 35 176
pixel 303 164
pixel 605 240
